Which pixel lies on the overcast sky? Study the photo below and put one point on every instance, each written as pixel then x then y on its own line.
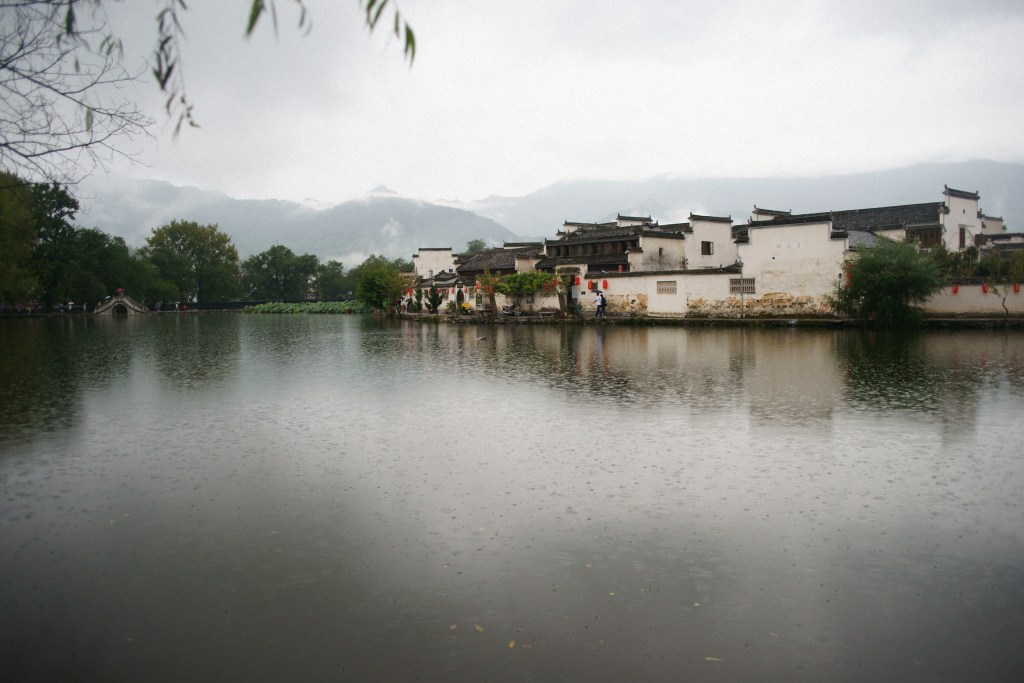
pixel 507 97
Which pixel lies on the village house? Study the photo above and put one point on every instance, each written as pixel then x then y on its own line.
pixel 776 264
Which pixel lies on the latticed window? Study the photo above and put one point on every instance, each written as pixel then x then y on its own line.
pixel 707 248
pixel 741 285
pixel 666 286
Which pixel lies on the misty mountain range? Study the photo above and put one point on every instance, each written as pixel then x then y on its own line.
pixel 383 222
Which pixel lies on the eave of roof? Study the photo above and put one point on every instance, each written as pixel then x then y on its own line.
pixel 962 194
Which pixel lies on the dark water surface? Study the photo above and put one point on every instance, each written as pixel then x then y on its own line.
pixel 229 497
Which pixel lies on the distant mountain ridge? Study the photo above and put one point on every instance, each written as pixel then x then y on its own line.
pixel 671 198
pixel 386 223
pixel 380 223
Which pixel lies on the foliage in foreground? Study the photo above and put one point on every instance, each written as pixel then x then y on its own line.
pixel 308 307
pixel 887 283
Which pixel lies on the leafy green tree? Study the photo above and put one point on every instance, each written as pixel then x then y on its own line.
pixel 104 263
pixel 17 237
pixel 434 299
pixel 332 283
pixel 886 284
pixel 378 282
pixel 199 260
pixel 279 274
pixel 55 257
pixel 417 301
pixel 474 247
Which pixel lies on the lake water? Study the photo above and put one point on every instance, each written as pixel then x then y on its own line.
pixel 235 497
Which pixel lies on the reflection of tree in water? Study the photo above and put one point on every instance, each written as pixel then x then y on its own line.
pixel 914 371
pixel 47 363
pixel 194 350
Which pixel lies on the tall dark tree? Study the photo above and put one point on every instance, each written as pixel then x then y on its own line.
pixel 17 238
pixel 378 282
pixel 199 260
pixel 279 274
pixel 55 257
pixel 332 283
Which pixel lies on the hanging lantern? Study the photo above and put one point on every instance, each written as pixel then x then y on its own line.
pixel 1016 288
pixel 984 288
pixel 622 268
pixel 956 288
pixel 604 284
pixel 590 284
pixel 577 280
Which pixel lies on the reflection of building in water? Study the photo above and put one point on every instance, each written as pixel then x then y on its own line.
pixel 792 375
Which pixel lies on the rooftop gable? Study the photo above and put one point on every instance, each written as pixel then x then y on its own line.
pixel 962 194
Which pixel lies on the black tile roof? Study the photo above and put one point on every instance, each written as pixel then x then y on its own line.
pixel 587 259
pixel 606 233
pixel 717 219
pixel 497 259
pixel 862 220
pixel 963 194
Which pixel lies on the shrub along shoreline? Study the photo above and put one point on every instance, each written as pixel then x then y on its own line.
pixel 311 307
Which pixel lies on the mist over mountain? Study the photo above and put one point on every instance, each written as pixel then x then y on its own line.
pixel 379 223
pixel 384 222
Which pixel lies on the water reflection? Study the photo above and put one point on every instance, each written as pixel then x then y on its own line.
pixel 387 500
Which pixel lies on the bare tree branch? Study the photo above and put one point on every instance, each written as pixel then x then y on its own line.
pixel 63 110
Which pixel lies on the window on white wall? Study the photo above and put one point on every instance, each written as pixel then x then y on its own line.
pixel 707 248
pixel 666 286
pixel 741 285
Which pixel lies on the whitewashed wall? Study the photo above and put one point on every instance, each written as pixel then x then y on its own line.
pixel 800 260
pixel 974 300
pixel 716 232
pixel 659 253
pixel 961 212
pixel 428 262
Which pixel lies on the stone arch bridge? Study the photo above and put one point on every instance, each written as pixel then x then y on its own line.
pixel 120 304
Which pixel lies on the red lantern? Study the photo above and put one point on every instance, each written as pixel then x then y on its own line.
pixel 956 288
pixel 622 268
pixel 1016 288
pixel 604 284
pixel 984 288
pixel 577 280
pixel 590 284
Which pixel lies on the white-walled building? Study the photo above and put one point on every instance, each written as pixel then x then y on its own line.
pixel 777 264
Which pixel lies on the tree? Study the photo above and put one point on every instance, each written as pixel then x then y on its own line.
pixel 474 247
pixel 103 264
pixel 434 299
pixel 332 283
pixel 279 274
pixel 378 282
pixel 886 284
pixel 199 260
pixel 170 76
pixel 17 237
pixel 489 284
pixel 61 110
pixel 55 255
